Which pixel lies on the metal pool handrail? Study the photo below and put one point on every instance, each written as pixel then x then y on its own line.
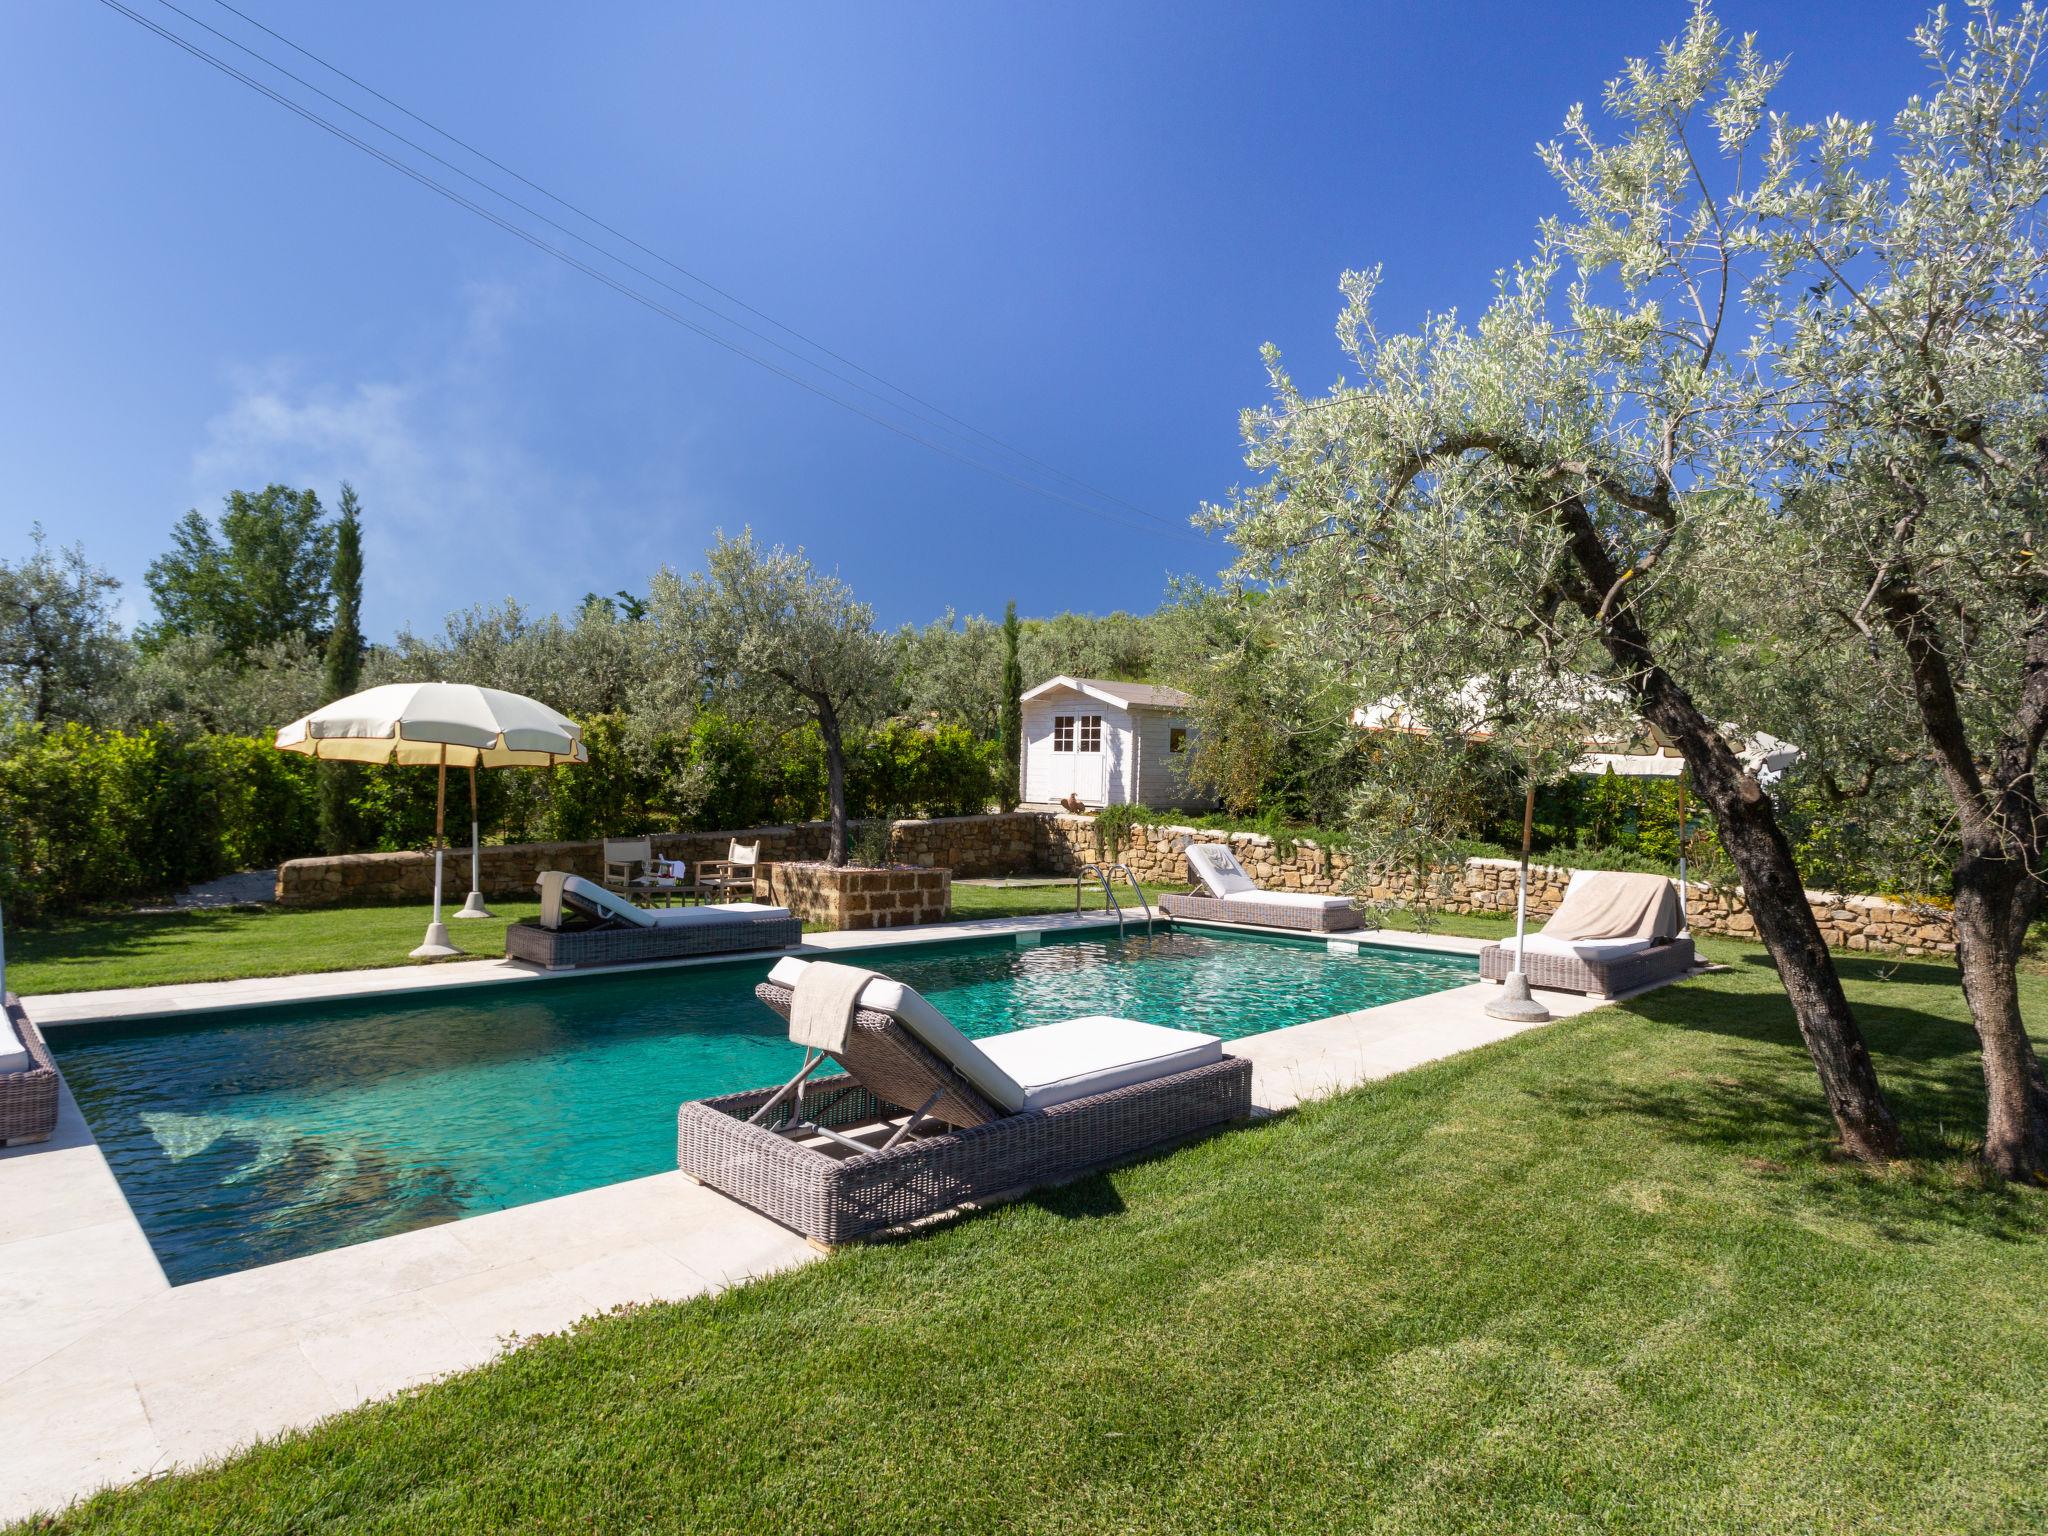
pixel 1102 872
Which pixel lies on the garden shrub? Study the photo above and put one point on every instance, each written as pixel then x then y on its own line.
pixel 610 795
pixel 93 816
pixel 267 801
pixel 740 785
pixel 941 770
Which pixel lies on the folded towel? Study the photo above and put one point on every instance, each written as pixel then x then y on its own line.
pixel 821 1013
pixel 551 899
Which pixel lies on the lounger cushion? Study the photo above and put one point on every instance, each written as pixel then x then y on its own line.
pixel 932 1027
pixel 1604 951
pixel 1219 869
pixel 594 900
pixel 1079 1057
pixel 14 1056
pixel 711 917
pixel 1307 899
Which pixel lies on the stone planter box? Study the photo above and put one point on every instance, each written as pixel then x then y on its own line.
pixel 849 896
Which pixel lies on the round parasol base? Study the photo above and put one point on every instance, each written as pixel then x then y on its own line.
pixel 1516 1003
pixel 435 945
pixel 474 906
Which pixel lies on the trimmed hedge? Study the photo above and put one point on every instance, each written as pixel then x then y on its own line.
pixel 90 817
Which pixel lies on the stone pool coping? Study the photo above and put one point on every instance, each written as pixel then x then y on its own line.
pixel 117 1375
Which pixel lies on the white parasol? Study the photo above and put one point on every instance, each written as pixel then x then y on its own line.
pixel 440 725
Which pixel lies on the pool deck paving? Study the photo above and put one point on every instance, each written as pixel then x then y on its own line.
pixel 114 1374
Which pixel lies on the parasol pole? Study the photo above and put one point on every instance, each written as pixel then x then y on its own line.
pixel 1515 1000
pixel 436 945
pixel 474 906
pixel 1683 921
pixel 1522 882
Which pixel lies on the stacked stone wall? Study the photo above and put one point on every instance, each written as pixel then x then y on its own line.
pixel 1157 855
pixel 845 896
pixel 1037 842
pixel 967 845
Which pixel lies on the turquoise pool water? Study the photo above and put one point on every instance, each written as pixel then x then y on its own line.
pixel 246 1137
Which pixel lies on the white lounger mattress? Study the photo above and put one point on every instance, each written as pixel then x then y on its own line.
pixel 1605 950
pixel 593 899
pixel 14 1056
pixel 1076 1058
pixel 1036 1068
pixel 1307 899
pixel 707 917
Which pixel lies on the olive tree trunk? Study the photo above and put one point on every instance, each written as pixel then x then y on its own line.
pixel 1776 897
pixel 1991 916
pixel 1754 841
pixel 1998 870
pixel 835 778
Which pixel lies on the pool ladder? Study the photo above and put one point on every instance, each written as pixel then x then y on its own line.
pixel 1103 872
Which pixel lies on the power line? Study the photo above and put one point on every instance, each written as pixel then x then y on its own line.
pixel 667 261
pixel 609 255
pixel 609 280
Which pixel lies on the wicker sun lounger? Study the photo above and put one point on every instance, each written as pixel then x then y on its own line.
pixel 903 1134
pixel 28 1080
pixel 1591 973
pixel 1612 933
pixel 1228 896
pixel 613 931
pixel 568 947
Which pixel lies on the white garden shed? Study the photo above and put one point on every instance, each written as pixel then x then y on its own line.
pixel 1106 743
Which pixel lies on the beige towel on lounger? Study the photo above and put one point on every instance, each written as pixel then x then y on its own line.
pixel 821 1013
pixel 551 899
pixel 1611 905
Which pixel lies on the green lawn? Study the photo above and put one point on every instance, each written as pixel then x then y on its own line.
pixel 1602 1277
pixel 86 954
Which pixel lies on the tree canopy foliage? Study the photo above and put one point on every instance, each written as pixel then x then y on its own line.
pixel 60 647
pixel 263 577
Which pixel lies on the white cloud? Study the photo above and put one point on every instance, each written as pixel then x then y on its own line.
pixel 458 508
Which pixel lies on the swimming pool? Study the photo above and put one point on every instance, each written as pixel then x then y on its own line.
pixel 245 1137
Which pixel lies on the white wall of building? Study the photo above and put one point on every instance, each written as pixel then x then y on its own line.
pixel 1159 779
pixel 1135 761
pixel 1103 777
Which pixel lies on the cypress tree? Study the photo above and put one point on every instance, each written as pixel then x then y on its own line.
pixel 343 670
pixel 1013 711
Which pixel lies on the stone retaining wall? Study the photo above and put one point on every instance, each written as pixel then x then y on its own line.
pixel 1028 842
pixel 968 845
pixel 1157 855
pixel 843 897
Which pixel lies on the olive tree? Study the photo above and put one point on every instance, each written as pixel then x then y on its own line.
pixel 1554 486
pixel 952 671
pixel 1903 313
pixel 763 634
pixel 60 647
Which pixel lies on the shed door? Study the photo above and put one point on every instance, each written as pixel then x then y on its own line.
pixel 1077 757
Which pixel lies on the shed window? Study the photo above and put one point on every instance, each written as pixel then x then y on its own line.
pixel 1177 739
pixel 1091 733
pixel 1063 733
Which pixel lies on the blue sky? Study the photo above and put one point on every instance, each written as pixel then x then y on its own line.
pixel 1071 225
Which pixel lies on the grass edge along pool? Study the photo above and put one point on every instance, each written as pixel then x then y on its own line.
pixel 247 1136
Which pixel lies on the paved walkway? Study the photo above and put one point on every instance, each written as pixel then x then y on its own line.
pixel 113 1374
pixel 250 888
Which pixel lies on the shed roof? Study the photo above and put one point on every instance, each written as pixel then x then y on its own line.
pixel 1126 695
